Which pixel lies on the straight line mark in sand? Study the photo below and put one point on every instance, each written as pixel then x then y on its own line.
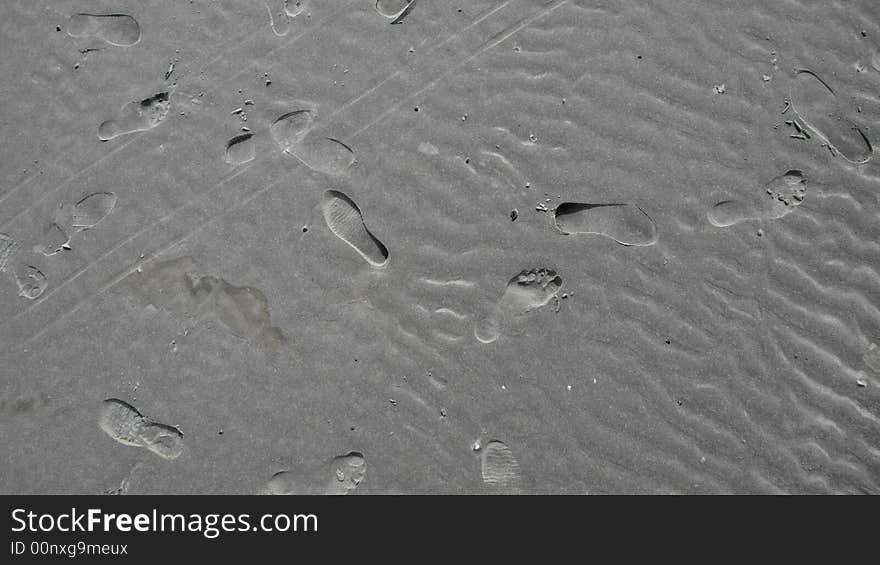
pixel 526 291
pixel 147 257
pixel 490 43
pixel 262 190
pixel 345 220
pixel 122 422
pixel 627 224
pixel 233 43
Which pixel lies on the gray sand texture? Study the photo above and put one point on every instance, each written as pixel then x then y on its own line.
pixel 399 247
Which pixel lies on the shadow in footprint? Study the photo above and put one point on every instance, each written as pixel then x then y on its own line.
pixel 290 129
pixel 626 224
pixel 240 149
pixel 395 10
pixel 819 109
pixel 781 196
pixel 527 291
pixel 136 116
pixel 345 220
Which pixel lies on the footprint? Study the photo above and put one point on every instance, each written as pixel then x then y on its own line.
pixel 244 311
pixel 284 482
pixel 32 283
pixel 395 10
pixel 122 422
pixel 240 149
pixel 289 130
pixel 324 155
pixel 284 11
pixel 7 249
pixel 527 291
pixel 347 472
pixel 55 240
pixel 626 224
pixel 344 219
pixel 164 441
pixel 92 209
pixel 817 106
pixel 176 286
pixel 173 285
pixel 136 116
pixel 499 467
pixel 783 194
pixel 115 29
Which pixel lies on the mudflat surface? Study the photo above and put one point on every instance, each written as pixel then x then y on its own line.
pixel 512 246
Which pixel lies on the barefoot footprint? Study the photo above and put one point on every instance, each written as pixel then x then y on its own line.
pixel 782 195
pixel 820 110
pixel 136 116
pixel 626 224
pixel 347 473
pixel 342 475
pixel 527 291
pixel 115 29
pixel 281 12
pixel 31 281
pixel 345 220
pixel 122 422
